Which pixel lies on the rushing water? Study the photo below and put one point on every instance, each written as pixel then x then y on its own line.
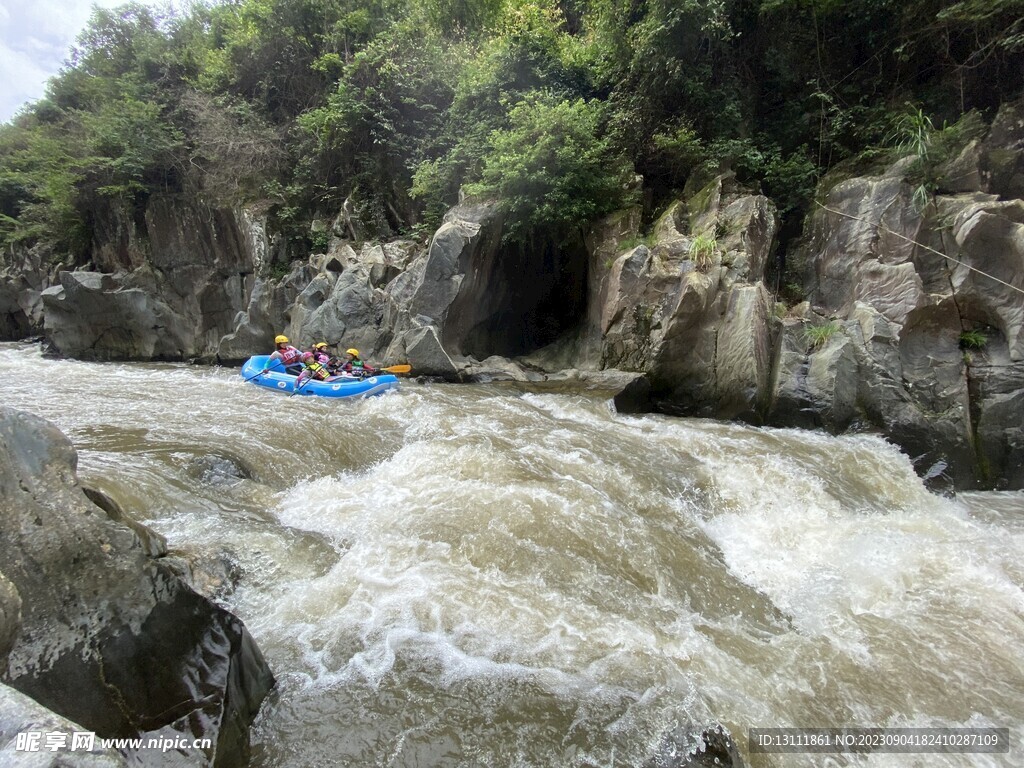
pixel 473 576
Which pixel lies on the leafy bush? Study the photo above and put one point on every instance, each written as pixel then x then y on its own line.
pixel 382 121
pixel 551 169
pixel 527 52
pixel 39 178
pixel 320 240
pixel 914 134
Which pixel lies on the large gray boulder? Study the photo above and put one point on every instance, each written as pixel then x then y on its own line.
pixel 987 280
pixel 605 242
pixel 997 393
pixel 865 375
pixel 111 637
pixel 270 304
pixel 344 311
pixel 91 315
pixel 743 354
pixel 689 307
pixel 1001 154
pixel 440 301
pixel 461 285
pixel 24 275
pixel 860 246
pixel 343 297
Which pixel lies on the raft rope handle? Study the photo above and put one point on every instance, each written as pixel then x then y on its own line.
pixel 919 244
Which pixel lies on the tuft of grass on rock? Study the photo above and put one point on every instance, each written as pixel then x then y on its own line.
pixel 974 339
pixel 817 335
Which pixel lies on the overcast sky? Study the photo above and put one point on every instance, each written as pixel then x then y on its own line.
pixel 35 40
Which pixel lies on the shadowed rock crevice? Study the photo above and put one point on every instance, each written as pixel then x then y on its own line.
pixel 516 300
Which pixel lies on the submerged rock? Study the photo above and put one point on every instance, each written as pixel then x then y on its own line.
pixel 219 469
pixel 111 637
pixel 712 747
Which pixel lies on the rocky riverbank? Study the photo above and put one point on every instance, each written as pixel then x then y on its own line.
pixel 910 324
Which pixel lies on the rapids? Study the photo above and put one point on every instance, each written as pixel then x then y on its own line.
pixel 475 576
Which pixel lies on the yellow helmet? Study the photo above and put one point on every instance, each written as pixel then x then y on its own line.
pixel 352 352
pixel 320 345
pixel 280 339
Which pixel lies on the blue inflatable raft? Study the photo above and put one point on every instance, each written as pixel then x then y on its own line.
pixel 276 378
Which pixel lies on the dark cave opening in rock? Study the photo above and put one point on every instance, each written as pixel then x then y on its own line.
pixel 519 299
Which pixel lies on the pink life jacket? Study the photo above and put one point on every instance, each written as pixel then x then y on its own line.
pixel 290 355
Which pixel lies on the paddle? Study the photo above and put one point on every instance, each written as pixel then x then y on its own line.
pixel 257 375
pixel 389 369
pixel 300 386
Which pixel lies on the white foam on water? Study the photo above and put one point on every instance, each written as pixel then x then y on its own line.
pixel 536 577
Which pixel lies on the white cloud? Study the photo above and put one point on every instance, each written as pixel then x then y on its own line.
pixel 23 79
pixel 36 37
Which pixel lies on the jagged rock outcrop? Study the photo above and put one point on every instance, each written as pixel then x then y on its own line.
pixel 690 308
pixel 341 297
pixel 264 318
pixel 110 636
pixel 903 288
pixel 462 250
pixel 24 275
pixel 880 346
pixel 473 296
pixel 166 285
pixel 92 315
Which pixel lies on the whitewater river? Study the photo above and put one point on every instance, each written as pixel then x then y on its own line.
pixel 474 576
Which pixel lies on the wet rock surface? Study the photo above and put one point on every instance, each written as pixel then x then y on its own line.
pixel 110 636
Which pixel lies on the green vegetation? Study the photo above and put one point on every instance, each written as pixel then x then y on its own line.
pixel 973 339
pixel 702 251
pixel 550 107
pixel 817 335
pixel 633 242
pixel 914 135
pixel 551 169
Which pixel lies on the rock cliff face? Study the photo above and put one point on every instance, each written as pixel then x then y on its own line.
pixel 691 309
pixel 913 324
pixel 23 278
pixel 927 308
pixel 97 627
pixel 167 285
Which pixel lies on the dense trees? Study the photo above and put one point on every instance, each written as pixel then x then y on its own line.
pixel 552 106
